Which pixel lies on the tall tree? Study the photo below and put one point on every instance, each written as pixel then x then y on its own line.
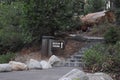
pixel 117 10
pixel 44 17
pixel 94 6
pixel 11 36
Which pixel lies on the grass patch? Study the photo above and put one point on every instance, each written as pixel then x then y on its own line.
pixel 5 58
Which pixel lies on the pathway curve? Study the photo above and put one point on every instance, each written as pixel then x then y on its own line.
pixel 48 74
pixel 76 60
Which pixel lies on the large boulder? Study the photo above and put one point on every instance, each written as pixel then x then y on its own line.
pixel 45 64
pixel 92 19
pixel 54 60
pixel 17 66
pixel 34 64
pixel 99 76
pixel 5 68
pixel 75 74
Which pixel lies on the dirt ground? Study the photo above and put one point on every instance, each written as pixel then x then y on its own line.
pixel 71 47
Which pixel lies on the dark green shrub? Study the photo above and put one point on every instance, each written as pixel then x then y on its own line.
pixel 103 58
pixel 12 35
pixel 113 59
pixel 112 35
pixel 94 56
pixel 10 41
pixel 5 58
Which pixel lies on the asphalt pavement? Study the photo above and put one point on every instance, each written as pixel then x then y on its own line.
pixel 48 74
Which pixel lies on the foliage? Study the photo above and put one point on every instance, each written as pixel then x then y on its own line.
pixel 103 58
pixel 25 21
pixel 117 10
pixel 112 60
pixel 101 29
pixel 46 17
pixel 12 36
pixel 94 6
pixel 7 1
pixel 112 35
pixel 94 56
pixel 5 58
pixel 78 6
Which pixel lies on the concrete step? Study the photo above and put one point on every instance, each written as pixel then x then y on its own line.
pixel 76 60
pixel 73 60
pixel 74 64
pixel 75 56
pixel 78 56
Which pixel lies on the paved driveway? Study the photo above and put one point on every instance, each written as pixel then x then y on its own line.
pixel 49 74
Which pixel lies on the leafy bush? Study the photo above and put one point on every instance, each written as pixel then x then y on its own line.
pixel 12 35
pixel 5 58
pixel 94 57
pixel 101 29
pixel 103 58
pixel 112 61
pixel 112 35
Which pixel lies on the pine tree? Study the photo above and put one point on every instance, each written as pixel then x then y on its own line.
pixel 117 10
pixel 94 6
pixel 44 17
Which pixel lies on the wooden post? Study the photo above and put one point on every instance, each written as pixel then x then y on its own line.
pixel 46 46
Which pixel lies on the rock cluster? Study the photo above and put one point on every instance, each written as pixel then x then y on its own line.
pixel 31 64
pixel 77 74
